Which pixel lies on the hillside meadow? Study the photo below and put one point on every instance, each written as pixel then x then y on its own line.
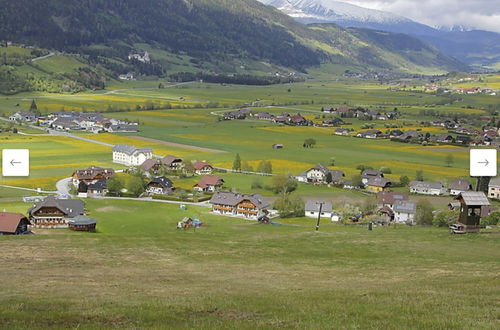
pixel 139 271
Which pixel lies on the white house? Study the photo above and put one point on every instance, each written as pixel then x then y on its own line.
pixel 427 188
pixel 494 188
pixel 404 211
pixel 459 186
pixel 130 155
pixel 312 209
pixel 319 173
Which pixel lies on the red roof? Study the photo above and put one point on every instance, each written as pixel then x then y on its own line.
pixel 10 221
pixel 209 180
pixel 200 165
pixel 389 197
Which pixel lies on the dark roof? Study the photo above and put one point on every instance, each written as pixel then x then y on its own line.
pixel 378 182
pixel 313 206
pixel 70 207
pixel 474 198
pixel 233 199
pixel 92 172
pixel 461 185
pixel 82 220
pixel 10 221
pixel 130 150
pixel 494 182
pixel 163 181
pixel 369 172
pixel 99 185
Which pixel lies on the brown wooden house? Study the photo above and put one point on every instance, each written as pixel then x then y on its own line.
pixel 13 224
pixel 471 204
pixel 55 213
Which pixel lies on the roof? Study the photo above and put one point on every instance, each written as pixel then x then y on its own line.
pixel 233 199
pixel 378 182
pixel 82 220
pixel 92 172
pixel 149 164
pixel 494 182
pixel 70 207
pixel 426 184
pixel 98 185
pixel 336 175
pixel 460 184
pixel 163 181
pixel 389 197
pixel 370 172
pixel 10 221
pixel 200 165
pixel 474 198
pixel 313 206
pixel 130 150
pixel 209 180
pixel 169 160
pixel 386 210
pixel 405 207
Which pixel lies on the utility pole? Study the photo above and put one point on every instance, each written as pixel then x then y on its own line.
pixel 319 213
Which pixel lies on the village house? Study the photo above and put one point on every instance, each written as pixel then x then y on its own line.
pixel 368 174
pixel 23 116
pixel 202 168
pixel 342 131
pixel 13 224
pixel 239 205
pixel 160 186
pixel 55 213
pixel 91 175
pixel 404 211
pixel 130 155
pixel 459 186
pixel 172 162
pixel 332 122
pixel 319 173
pixel 443 138
pixel 378 184
pixel 209 183
pixel 328 109
pixel 388 198
pixel 151 165
pixel 312 209
pixel 297 120
pixel 427 188
pixel 98 188
pixel 370 134
pixel 494 188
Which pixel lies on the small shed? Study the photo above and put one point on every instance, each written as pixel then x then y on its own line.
pixel 82 223
pixel 471 203
pixel 278 146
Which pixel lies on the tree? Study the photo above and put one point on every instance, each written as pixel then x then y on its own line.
pixel 245 166
pixel 188 167
pixel 424 215
pixel 265 166
pixel 237 163
pixel 445 218
pixel 329 178
pixel 284 184
pixel 289 206
pixel 385 170
pixel 362 168
pixel 332 161
pixel 491 220
pixel 449 160
pixel 135 186
pixel 356 180
pixel 309 143
pixel 257 184
pixel 114 186
pixel 419 175
pixel 404 180
pixel 33 106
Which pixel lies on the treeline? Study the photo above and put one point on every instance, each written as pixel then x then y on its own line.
pixel 237 79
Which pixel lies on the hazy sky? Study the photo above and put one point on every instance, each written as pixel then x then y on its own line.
pixel 482 14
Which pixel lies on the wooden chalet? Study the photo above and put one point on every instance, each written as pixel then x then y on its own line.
pixel 172 162
pixel 91 175
pixel 209 183
pixel 55 213
pixel 239 205
pixel 160 186
pixel 202 168
pixel 13 224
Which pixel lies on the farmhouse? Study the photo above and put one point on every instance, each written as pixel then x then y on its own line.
pixel 459 186
pixel 91 175
pixel 172 162
pixel 368 174
pixel 209 183
pixel 23 116
pixel 370 134
pixel 494 188
pixel 388 198
pixel 312 209
pixel 427 188
pixel 55 213
pixel 240 205
pixel 98 188
pixel 130 155
pixel 319 174
pixel 471 205
pixel 151 165
pixel 404 211
pixel 378 184
pixel 13 224
pixel 342 131
pixel 160 186
pixel 202 168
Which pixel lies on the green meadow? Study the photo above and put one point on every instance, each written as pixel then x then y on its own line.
pixel 138 271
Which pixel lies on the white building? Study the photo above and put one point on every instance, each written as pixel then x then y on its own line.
pixel 404 211
pixel 312 209
pixel 427 188
pixel 494 188
pixel 130 155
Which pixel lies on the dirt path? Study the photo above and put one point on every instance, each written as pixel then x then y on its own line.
pixel 179 145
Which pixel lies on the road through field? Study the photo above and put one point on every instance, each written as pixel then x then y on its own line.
pixel 179 145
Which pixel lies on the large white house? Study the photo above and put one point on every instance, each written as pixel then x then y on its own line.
pixel 427 188
pixel 312 209
pixel 404 211
pixel 130 155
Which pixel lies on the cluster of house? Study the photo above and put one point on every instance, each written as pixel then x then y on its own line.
pixel 89 121
pixel 144 58
pixel 284 118
pixel 361 113
pixel 51 212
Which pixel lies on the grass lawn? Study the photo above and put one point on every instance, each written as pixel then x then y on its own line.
pixel 139 271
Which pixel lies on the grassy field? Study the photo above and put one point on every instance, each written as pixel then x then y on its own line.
pixel 138 271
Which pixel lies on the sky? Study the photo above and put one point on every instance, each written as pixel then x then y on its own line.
pixel 480 14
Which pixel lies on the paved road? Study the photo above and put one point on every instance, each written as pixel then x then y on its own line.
pixel 149 199
pixel 27 189
pixel 63 187
pixel 42 57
